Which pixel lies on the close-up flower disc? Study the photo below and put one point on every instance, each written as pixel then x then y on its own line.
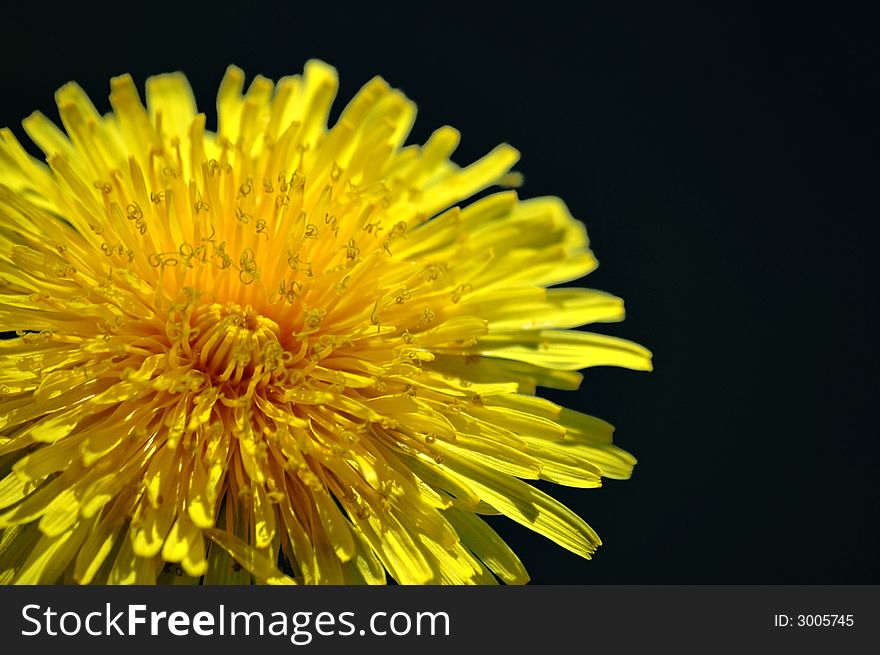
pixel 285 352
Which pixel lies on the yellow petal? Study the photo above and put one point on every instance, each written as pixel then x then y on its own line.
pixel 566 350
pixel 149 531
pixel 485 543
pixel 200 501
pixel 98 545
pixel 263 570
pixel 171 97
pixel 264 518
pixel 529 506
pixel 180 539
pixel 50 557
pixel 129 569
pixel 336 525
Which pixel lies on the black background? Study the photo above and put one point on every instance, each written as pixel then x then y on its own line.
pixel 725 164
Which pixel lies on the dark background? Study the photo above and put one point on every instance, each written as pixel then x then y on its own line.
pixel 725 163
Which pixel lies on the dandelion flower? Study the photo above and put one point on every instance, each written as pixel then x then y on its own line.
pixel 283 353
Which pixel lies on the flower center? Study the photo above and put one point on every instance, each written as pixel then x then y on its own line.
pixel 232 343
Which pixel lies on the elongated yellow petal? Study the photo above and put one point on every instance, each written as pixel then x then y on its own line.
pixel 50 556
pixel 99 544
pixel 566 350
pixel 530 507
pixel 262 569
pixel 170 102
pixel 488 546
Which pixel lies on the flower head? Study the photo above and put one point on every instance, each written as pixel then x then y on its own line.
pixel 280 352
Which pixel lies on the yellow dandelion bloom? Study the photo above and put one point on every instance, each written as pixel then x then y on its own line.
pixel 280 353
